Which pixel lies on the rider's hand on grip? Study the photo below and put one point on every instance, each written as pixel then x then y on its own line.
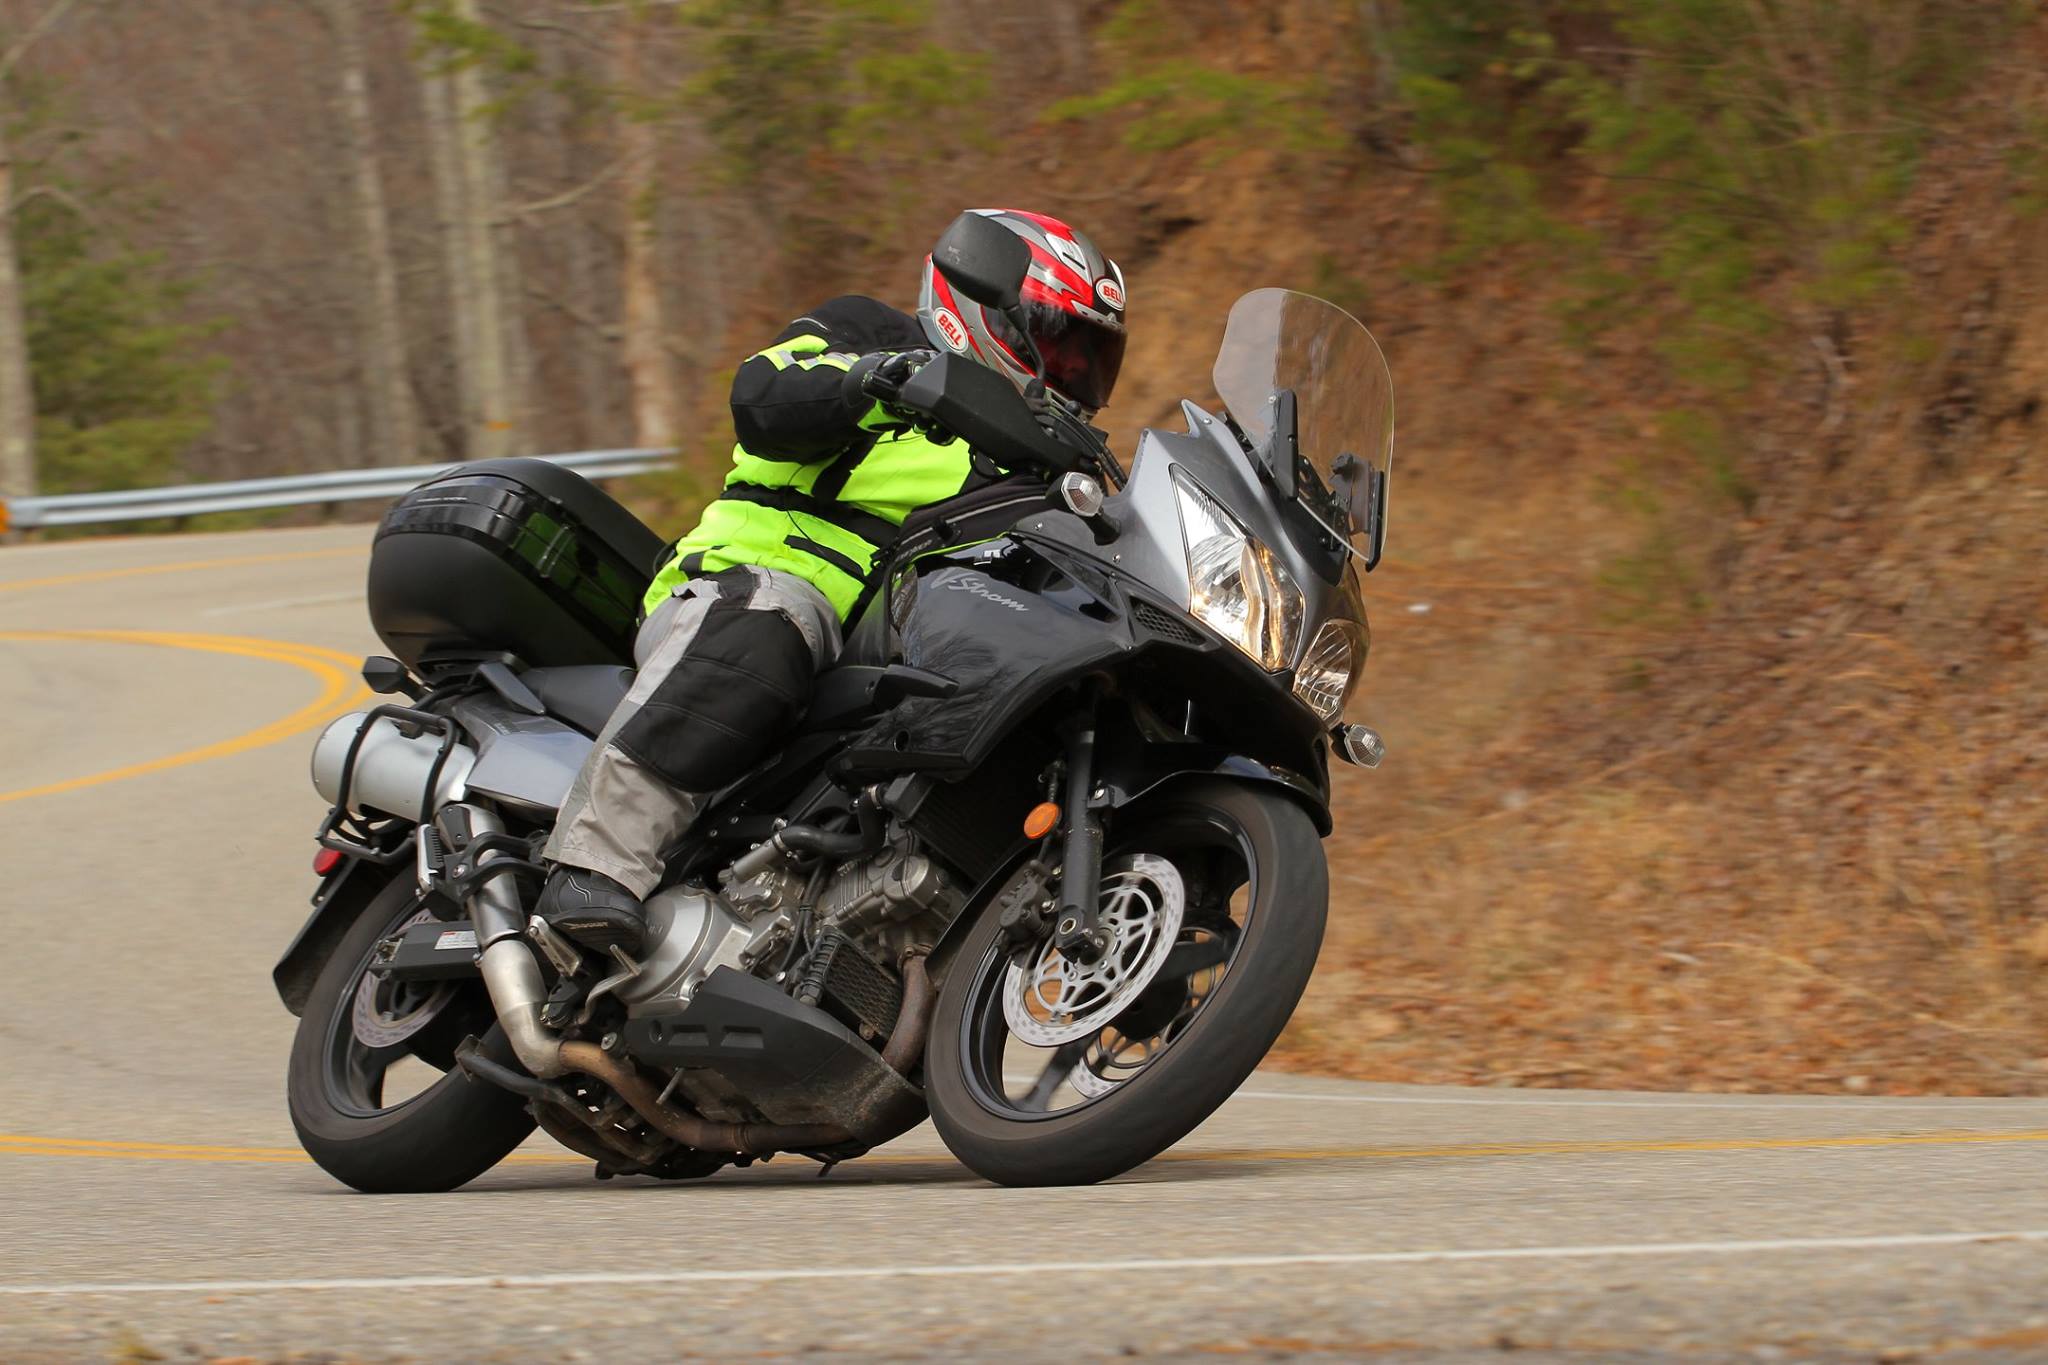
pixel 873 385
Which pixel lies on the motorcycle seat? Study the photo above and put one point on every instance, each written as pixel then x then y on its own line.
pixel 584 695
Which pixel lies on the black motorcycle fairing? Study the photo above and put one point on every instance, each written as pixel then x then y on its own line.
pixel 1017 621
pixel 1010 627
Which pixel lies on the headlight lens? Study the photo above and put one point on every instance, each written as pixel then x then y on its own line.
pixel 1331 669
pixel 1235 586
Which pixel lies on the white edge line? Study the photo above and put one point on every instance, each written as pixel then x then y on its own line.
pixel 1568 1099
pixel 996 1268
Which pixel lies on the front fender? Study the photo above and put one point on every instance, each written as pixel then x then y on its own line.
pixel 1157 768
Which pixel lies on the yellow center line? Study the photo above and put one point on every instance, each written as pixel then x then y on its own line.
pixel 25 1144
pixel 341 692
pixel 183 566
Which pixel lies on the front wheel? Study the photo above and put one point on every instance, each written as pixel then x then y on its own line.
pixel 1043 1071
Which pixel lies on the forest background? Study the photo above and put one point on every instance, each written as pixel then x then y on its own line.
pixel 1712 644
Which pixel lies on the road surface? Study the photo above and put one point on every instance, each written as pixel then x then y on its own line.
pixel 159 698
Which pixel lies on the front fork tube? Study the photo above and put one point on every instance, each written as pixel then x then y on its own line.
pixel 1077 933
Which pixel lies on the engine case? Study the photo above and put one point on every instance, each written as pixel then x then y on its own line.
pixel 692 933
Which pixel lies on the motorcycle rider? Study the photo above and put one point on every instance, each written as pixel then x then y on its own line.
pixel 750 606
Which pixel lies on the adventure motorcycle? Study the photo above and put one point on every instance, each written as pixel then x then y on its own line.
pixel 1042 861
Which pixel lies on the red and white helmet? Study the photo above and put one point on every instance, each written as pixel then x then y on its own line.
pixel 1073 303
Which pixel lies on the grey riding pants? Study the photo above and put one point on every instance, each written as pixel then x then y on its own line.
pixel 726 667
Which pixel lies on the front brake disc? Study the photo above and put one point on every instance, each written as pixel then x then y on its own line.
pixel 1049 998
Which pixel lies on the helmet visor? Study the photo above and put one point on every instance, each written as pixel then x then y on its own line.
pixel 1082 356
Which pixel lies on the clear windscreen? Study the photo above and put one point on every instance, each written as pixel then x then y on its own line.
pixel 1280 341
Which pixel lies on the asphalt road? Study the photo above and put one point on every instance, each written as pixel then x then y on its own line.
pixel 158 698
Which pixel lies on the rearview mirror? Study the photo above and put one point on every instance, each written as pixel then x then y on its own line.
pixel 983 260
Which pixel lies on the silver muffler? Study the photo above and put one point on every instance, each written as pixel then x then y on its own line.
pixel 392 769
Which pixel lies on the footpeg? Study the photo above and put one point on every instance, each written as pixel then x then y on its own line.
pixel 566 956
pixel 562 1003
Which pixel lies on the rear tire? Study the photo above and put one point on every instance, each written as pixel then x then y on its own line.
pixel 1200 1064
pixel 444 1136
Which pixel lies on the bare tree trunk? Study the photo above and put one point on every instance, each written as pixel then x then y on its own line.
pixel 494 423
pixel 17 394
pixel 590 357
pixel 445 156
pixel 648 372
pixel 393 425
pixel 1386 69
pixel 17 397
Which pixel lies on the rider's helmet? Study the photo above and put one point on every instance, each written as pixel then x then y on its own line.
pixel 1073 304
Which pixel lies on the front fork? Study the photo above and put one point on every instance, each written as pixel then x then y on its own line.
pixel 1077 932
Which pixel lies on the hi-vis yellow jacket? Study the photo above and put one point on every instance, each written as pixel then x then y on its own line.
pixel 818 487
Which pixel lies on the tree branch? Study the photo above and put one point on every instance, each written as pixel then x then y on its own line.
pixel 62 196
pixel 13 55
pixel 570 196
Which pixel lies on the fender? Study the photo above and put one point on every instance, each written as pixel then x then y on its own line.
pixel 340 898
pixel 1136 776
pixel 1162 767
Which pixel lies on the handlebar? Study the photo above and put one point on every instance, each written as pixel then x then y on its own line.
pixel 985 410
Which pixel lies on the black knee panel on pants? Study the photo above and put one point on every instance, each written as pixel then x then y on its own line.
pixel 739 687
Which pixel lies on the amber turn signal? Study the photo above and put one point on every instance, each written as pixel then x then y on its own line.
pixel 1043 818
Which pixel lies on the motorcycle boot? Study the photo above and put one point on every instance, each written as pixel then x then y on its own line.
pixel 592 910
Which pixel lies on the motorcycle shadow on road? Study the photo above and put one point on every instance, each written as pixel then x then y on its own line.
pixel 889 1171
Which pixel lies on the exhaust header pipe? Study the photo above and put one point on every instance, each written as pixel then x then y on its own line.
pixel 511 973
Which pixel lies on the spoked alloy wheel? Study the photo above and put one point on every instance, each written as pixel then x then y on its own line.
pixel 372 1091
pixel 1047 1071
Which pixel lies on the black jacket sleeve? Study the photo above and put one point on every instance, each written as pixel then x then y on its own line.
pixel 789 405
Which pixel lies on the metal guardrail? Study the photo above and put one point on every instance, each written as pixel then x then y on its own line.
pixel 292 490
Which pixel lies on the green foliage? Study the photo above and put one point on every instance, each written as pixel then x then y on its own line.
pixel 122 383
pixel 457 41
pixel 1179 101
pixel 122 386
pixel 2028 163
pixel 1756 156
pixel 1168 100
pixel 808 86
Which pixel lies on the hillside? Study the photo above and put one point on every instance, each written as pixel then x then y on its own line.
pixel 1712 647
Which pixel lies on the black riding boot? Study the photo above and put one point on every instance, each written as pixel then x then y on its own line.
pixel 591 909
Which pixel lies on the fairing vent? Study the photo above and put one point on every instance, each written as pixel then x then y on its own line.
pixel 1161 624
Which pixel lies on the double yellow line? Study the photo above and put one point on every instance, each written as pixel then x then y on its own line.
pixel 341 691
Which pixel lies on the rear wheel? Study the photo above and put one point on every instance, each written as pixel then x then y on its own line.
pixel 1043 1071
pixel 372 1089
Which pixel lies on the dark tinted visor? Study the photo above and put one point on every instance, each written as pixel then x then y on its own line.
pixel 1082 356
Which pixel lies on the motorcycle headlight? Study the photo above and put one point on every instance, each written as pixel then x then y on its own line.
pixel 1331 668
pixel 1235 586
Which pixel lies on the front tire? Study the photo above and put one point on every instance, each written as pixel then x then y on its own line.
pixel 445 1135
pixel 1195 1036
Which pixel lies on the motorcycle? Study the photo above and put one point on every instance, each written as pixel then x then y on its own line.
pixel 1042 862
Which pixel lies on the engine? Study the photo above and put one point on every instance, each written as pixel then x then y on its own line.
pixel 881 904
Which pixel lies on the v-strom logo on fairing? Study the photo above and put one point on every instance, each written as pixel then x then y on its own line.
pixel 978 585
